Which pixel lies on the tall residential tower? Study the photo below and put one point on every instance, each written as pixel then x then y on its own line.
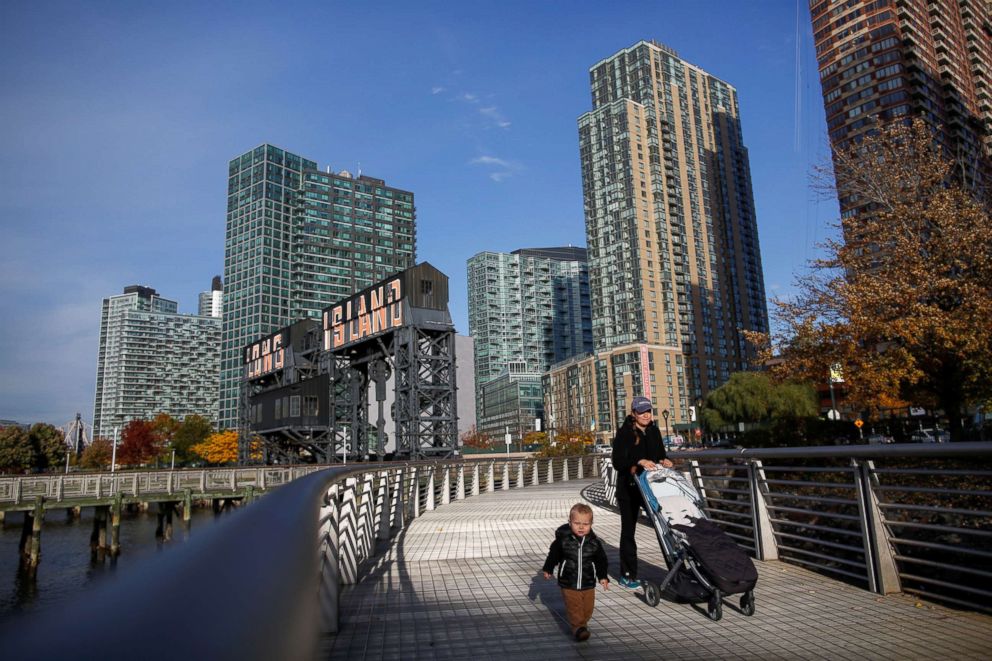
pixel 153 360
pixel 674 264
pixel 889 60
pixel 297 240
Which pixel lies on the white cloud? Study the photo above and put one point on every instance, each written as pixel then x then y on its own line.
pixel 437 89
pixel 493 113
pixel 490 160
pixel 499 168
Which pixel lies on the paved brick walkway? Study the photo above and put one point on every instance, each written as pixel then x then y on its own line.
pixel 463 583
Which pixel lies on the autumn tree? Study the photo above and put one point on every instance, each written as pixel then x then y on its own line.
pixel 97 454
pixel 15 449
pixel 477 440
pixel 566 443
pixel 218 448
pixel 139 444
pixel 901 299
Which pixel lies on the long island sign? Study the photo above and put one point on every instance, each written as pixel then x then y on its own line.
pixel 368 313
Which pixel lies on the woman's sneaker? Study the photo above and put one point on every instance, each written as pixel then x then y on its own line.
pixel 629 583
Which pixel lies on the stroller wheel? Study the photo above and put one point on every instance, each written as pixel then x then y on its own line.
pixel 652 594
pixel 714 609
pixel 747 603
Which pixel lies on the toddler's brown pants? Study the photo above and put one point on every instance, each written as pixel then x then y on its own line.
pixel 578 606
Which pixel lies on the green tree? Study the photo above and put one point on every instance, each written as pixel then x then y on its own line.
pixel 194 429
pixel 165 428
pixel 754 399
pixel 901 301
pixel 15 449
pixel 48 446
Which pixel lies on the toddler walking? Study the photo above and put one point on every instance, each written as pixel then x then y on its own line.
pixel 581 561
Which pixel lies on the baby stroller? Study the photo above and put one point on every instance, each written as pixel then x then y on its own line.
pixel 704 563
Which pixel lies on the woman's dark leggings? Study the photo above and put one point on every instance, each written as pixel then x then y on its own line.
pixel 630 502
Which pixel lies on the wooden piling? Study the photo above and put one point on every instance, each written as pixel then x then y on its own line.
pixel 115 526
pixel 187 509
pixel 34 548
pixel 98 538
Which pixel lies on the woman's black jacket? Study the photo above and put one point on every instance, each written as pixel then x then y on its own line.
pixel 582 560
pixel 630 446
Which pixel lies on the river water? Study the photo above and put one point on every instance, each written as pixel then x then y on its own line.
pixel 67 566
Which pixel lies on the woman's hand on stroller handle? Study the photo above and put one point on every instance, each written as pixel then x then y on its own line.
pixel 649 465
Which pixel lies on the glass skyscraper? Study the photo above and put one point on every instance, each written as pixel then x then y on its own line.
pixel 297 240
pixel 529 308
pixel 153 360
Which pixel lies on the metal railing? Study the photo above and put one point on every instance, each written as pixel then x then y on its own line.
pixel 909 518
pixel 268 578
pixel 20 492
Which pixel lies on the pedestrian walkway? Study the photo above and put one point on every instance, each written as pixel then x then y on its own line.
pixel 463 582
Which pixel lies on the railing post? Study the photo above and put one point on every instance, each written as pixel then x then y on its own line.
pixel 59 489
pixel 765 544
pixel 475 479
pixel 506 476
pixel 883 573
pixel 551 471
pixel 564 469
pixel 384 506
pixel 610 484
pixel 430 489
pixel 261 479
pixel 446 486
pixel 490 487
pixel 535 475
pixel 460 487
pixel 399 501
pixel 415 485
pixel 366 518
pixel 696 474
pixel 582 474
pixel 347 534
pixel 329 591
pixel 520 475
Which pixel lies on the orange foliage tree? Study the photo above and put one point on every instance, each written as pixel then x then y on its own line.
pixel 476 439
pixel 222 448
pixel 901 299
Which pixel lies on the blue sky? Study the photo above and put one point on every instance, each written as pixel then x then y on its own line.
pixel 118 119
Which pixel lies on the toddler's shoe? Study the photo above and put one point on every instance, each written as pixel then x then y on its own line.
pixel 582 634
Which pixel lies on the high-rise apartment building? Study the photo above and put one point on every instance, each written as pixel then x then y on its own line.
pixel 888 60
pixel 297 240
pixel 212 302
pixel 153 360
pixel 529 308
pixel 674 264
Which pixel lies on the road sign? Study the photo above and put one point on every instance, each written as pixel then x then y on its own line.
pixel 859 423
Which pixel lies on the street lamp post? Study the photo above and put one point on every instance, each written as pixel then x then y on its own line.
pixel 664 414
pixel 113 453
